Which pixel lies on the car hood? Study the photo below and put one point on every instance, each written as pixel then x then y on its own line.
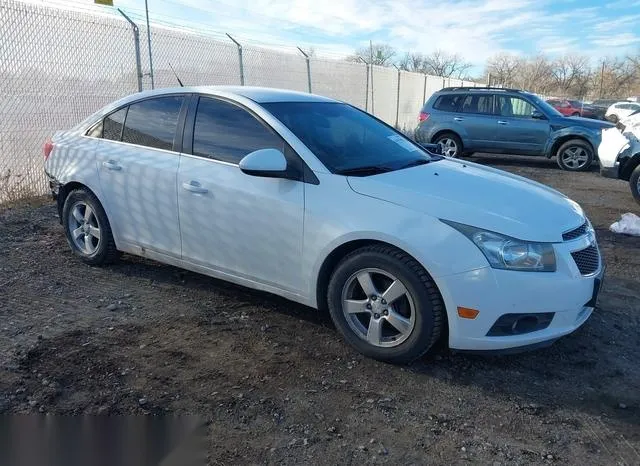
pixel 476 195
pixel 590 123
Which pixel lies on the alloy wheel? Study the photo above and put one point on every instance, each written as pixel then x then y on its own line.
pixel 575 157
pixel 84 228
pixel 448 146
pixel 378 307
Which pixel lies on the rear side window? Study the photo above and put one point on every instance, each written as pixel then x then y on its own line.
pixel 448 102
pixel 153 122
pixel 226 132
pixel 112 126
pixel 480 103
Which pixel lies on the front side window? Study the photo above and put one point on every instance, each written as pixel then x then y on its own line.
pixel 113 123
pixel 153 122
pixel 346 139
pixel 226 132
pixel 514 107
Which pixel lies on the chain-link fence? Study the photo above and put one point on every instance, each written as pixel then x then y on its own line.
pixel 59 66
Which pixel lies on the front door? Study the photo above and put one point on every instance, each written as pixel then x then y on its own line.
pixel 138 169
pixel 246 226
pixel 517 132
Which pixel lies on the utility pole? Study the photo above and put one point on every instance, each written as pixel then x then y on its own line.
pixel 601 78
pixel 146 10
pixel 373 109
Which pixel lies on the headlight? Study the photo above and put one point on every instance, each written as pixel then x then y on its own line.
pixel 504 252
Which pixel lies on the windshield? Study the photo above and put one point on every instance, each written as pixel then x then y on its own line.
pixel 543 106
pixel 346 139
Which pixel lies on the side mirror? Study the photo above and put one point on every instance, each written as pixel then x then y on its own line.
pixel 269 163
pixel 538 115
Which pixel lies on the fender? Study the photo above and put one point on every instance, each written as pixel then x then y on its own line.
pixel 578 132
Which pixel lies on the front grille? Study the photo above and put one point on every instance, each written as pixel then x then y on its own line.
pixel 587 260
pixel 576 233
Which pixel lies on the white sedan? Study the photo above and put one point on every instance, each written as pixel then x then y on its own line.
pixel 319 202
pixel 620 110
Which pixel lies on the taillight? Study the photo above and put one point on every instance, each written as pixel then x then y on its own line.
pixel 423 116
pixel 47 148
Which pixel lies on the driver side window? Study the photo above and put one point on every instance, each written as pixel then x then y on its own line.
pixel 513 107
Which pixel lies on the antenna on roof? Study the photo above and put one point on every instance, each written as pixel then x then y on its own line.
pixel 176 75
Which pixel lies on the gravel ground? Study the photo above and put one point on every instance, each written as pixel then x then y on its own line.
pixel 277 384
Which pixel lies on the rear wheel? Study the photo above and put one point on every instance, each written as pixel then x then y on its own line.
pixel 634 184
pixel 385 304
pixel 450 144
pixel 575 155
pixel 87 228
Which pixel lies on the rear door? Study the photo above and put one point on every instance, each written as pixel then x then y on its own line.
pixel 479 121
pixel 138 165
pixel 517 132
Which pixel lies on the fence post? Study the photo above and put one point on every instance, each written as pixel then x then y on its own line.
pixel 366 100
pixel 424 92
pixel 136 44
pixel 239 58
pixel 397 98
pixel 306 57
pixel 373 108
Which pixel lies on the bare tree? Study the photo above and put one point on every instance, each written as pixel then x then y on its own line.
pixel 503 68
pixel 412 62
pixel 380 54
pixel 444 64
pixel 571 75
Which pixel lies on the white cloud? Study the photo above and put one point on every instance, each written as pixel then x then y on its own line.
pixel 475 29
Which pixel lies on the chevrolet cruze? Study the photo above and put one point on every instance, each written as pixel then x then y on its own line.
pixel 321 203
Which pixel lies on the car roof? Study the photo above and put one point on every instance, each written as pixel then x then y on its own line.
pixel 257 94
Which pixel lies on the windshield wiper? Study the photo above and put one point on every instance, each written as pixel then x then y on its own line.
pixel 415 163
pixel 364 171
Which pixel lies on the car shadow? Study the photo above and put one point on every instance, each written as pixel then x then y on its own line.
pixel 520 161
pixel 575 371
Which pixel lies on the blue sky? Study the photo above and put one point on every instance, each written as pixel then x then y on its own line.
pixel 474 29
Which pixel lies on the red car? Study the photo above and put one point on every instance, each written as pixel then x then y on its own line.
pixel 572 108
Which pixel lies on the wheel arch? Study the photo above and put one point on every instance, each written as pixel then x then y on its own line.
pixel 565 138
pixel 332 260
pixel 441 132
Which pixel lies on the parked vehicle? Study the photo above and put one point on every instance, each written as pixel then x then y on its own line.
pixel 573 108
pixel 321 203
pixel 621 110
pixel 619 153
pixel 464 120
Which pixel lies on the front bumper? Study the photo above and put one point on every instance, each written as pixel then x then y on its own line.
pixel 570 296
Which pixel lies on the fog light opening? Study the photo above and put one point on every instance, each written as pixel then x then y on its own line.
pixel 525 324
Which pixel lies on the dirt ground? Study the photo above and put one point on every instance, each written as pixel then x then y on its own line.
pixel 277 384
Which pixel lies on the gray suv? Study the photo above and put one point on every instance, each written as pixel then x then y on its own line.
pixel 463 120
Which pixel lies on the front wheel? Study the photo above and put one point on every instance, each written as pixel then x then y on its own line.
pixel 385 304
pixel 634 184
pixel 575 155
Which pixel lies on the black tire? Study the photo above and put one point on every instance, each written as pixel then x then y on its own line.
pixel 428 305
pixel 105 248
pixel 577 144
pixel 634 184
pixel 613 118
pixel 453 137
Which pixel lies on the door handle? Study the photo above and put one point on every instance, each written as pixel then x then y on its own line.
pixel 194 187
pixel 501 122
pixel 458 119
pixel 111 165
